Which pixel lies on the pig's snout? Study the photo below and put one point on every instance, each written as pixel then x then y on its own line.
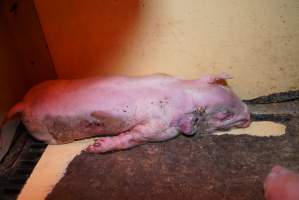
pixel 244 122
pixel 242 118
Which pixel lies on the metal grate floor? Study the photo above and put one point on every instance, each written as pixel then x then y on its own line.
pixel 18 164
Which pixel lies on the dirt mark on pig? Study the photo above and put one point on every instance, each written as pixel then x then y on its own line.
pixel 66 129
pixel 110 123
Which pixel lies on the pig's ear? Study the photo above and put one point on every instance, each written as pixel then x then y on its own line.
pixel 216 79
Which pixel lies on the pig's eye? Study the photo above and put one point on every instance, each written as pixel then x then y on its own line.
pixel 223 115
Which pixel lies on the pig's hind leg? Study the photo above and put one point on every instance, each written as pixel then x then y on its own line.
pixel 153 131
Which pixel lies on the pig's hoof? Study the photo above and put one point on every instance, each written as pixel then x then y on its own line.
pixel 98 146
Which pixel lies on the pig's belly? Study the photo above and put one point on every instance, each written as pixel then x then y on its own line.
pixel 57 129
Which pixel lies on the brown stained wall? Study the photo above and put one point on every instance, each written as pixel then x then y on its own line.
pixel 87 38
pixel 12 82
pixel 24 57
pixel 256 41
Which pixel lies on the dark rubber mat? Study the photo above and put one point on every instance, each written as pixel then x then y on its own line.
pixel 205 167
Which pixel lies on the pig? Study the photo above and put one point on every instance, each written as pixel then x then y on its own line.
pixel 281 184
pixel 128 111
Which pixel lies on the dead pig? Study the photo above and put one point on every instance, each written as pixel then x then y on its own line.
pixel 131 110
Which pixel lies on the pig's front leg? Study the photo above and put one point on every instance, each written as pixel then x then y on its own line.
pixel 149 132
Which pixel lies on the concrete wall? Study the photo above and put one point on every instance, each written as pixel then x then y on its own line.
pixel 24 57
pixel 256 41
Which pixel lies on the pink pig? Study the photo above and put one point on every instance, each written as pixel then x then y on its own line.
pixel 129 111
pixel 281 184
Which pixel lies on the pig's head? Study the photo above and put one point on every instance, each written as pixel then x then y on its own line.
pixel 217 108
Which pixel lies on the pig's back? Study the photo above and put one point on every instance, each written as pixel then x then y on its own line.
pixel 73 97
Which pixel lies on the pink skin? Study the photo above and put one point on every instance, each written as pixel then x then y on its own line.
pixel 132 110
pixel 281 184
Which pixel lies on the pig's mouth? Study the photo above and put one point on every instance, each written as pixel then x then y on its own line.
pixel 204 128
pixel 242 123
